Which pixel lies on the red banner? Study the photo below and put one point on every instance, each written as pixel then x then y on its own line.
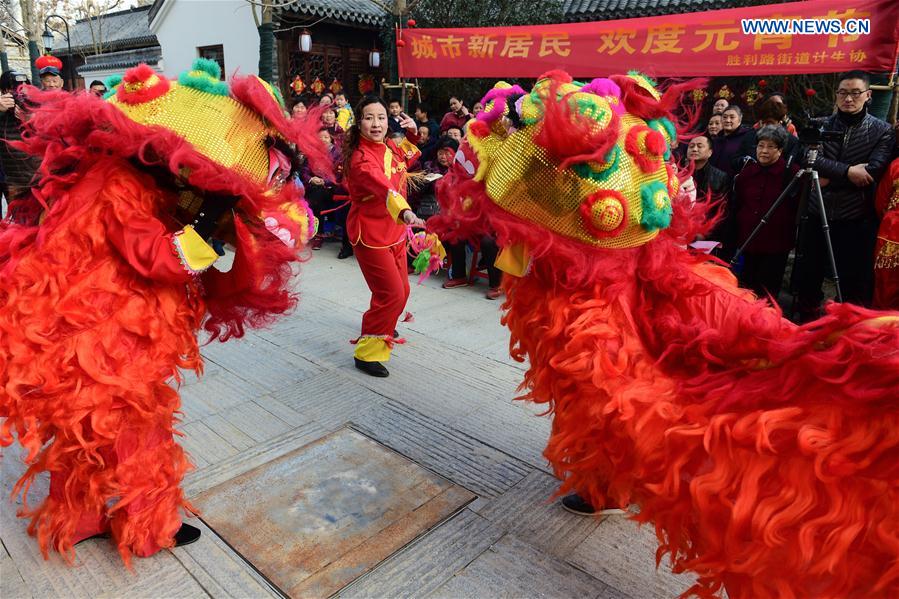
pixel 708 43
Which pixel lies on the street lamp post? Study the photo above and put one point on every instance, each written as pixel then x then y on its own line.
pixel 48 46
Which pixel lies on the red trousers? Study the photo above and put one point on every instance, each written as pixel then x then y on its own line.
pixel 388 279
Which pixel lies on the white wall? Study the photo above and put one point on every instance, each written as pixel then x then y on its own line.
pixel 181 26
pixel 102 75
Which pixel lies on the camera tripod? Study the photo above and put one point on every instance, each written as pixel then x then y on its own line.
pixel 813 189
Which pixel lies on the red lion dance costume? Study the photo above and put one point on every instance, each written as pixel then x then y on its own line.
pixel 765 454
pixel 101 303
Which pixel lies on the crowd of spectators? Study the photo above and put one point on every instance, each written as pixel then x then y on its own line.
pixel 747 168
pixel 743 158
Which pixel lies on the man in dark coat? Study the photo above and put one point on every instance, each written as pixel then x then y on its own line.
pixel 850 169
pixel 707 178
pixel 18 167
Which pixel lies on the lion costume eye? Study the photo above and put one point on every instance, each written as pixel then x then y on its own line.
pixel 604 213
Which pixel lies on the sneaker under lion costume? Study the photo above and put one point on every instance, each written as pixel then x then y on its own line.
pixel 765 454
pixel 106 280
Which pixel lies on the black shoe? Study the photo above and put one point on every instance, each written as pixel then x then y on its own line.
pixel 99 535
pixel 186 535
pixel 396 333
pixel 575 504
pixel 372 368
pixel 344 253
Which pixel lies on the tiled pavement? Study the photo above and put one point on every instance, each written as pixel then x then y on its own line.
pixel 447 406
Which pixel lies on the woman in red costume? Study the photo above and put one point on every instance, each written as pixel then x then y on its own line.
pixel 101 303
pixel 376 179
pixel 886 255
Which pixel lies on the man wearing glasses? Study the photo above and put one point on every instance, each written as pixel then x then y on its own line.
pixel 849 170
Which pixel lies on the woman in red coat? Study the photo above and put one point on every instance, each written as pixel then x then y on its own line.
pixel 376 180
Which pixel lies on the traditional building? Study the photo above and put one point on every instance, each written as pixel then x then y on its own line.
pixel 220 30
pixel 108 44
pixel 342 36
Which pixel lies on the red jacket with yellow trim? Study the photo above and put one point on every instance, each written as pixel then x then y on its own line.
pixel 377 186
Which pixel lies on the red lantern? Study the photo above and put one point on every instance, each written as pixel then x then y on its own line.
pixel 400 43
pixel 810 92
pixel 411 23
pixel 763 84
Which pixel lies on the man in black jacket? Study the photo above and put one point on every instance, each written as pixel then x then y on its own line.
pixel 708 179
pixel 18 167
pixel 849 171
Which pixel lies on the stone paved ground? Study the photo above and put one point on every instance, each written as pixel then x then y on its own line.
pixel 447 405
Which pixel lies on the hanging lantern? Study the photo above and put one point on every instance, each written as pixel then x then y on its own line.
pixel 699 95
pixel 411 23
pixel 374 58
pixel 400 43
pixel 305 41
pixel 336 87
pixel 810 93
pixel 318 86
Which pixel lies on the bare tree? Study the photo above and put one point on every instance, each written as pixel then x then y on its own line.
pixel 91 11
pixel 263 14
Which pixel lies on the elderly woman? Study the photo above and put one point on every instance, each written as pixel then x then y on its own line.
pixel 756 188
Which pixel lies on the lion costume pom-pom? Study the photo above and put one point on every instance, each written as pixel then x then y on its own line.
pixel 764 454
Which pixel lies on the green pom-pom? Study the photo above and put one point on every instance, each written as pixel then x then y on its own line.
pixel 202 81
pixel 667 129
pixel 421 262
pixel 204 76
pixel 210 67
pixel 111 83
pixel 611 163
pixel 279 97
pixel 656 206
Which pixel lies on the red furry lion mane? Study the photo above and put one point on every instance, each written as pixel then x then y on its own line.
pixel 766 455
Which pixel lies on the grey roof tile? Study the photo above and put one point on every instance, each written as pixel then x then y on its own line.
pixel 124 59
pixel 118 30
pixel 351 11
pixel 602 10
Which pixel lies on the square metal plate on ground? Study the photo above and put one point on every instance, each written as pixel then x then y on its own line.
pixel 315 519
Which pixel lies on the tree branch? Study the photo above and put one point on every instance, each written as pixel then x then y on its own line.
pixel 384 7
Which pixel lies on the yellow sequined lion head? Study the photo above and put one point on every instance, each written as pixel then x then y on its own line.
pixel 587 161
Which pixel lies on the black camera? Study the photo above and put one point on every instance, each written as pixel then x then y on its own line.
pixel 815 135
pixel 19 80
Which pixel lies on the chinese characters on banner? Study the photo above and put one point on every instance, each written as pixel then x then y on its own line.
pixel 694 44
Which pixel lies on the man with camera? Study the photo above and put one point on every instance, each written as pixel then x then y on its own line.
pixel 855 149
pixel 18 167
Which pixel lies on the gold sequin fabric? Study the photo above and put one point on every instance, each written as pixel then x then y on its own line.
pixel 522 178
pixel 219 127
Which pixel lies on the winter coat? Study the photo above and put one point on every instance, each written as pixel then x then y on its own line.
pixel 756 188
pixel 869 141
